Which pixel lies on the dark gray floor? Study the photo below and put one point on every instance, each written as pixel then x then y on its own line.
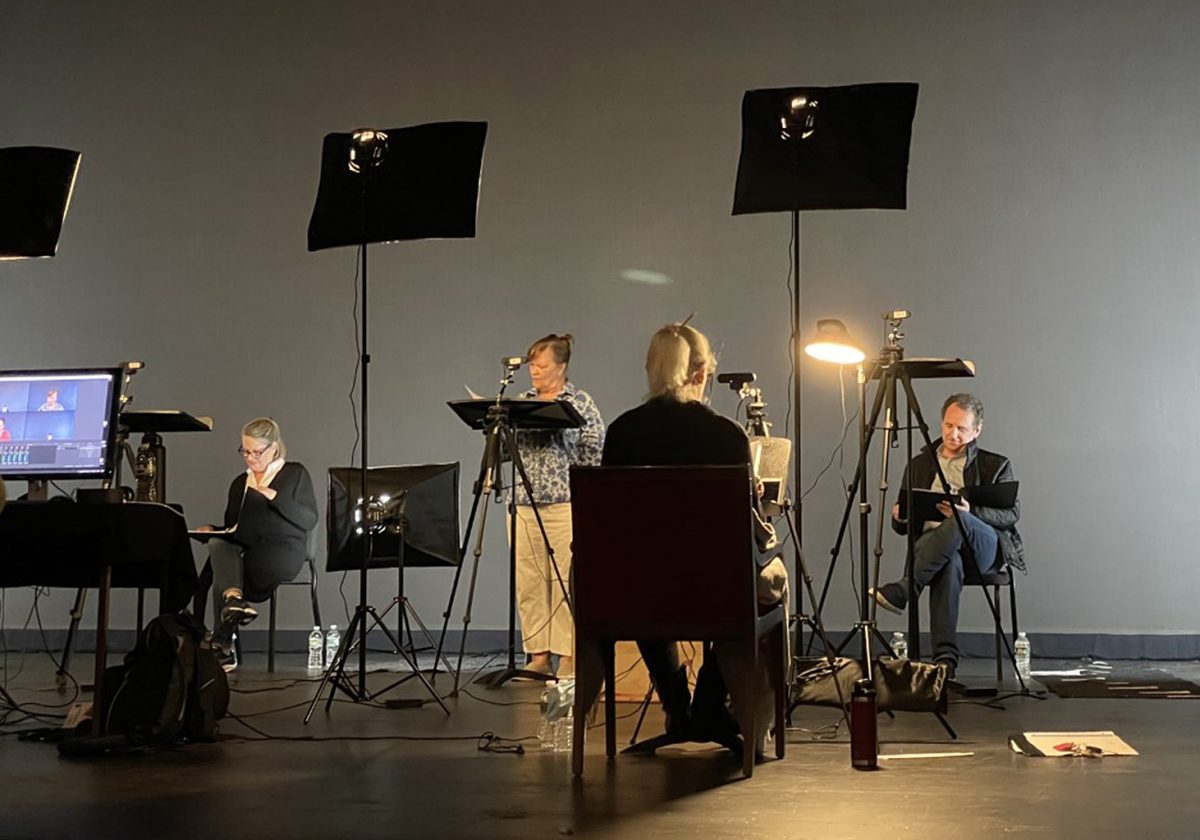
pixel 430 788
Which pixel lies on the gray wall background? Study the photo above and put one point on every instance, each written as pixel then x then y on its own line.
pixel 1051 200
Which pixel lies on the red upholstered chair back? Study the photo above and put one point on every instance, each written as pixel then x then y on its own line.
pixel 663 552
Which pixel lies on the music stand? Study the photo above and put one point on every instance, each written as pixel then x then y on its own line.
pixel 498 418
pixel 420 182
pixel 35 190
pixel 821 148
pixel 412 521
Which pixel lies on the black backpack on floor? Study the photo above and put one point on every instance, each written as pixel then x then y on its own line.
pixel 171 687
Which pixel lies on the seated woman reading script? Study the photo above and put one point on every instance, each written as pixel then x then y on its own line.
pixel 270 510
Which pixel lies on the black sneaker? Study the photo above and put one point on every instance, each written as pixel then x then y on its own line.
pixel 227 658
pixel 952 684
pixel 237 612
pixel 892 597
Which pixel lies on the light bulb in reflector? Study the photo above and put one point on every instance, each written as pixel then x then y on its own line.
pixel 833 343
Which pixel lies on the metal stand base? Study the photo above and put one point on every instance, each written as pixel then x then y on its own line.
pixel 409 616
pixel 336 677
pixel 498 678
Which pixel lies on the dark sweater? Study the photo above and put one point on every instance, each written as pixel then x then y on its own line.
pixel 663 432
pixel 666 432
pixel 274 532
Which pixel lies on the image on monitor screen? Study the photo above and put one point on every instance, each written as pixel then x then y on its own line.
pixel 58 423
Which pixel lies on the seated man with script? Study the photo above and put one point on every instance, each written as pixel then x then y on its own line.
pixel 940 553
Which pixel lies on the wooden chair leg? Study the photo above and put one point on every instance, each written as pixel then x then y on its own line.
pixel 589 671
pixel 748 717
pixel 610 699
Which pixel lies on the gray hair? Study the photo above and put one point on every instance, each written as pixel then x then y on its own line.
pixel 966 402
pixel 265 428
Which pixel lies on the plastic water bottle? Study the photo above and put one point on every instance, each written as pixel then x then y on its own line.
pixel 1023 653
pixel 333 640
pixel 565 731
pixel 899 645
pixel 316 647
pixel 546 727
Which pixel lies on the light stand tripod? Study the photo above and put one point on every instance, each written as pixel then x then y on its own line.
pixel 381 186
pixel 821 148
pixel 892 370
pixel 498 418
pixel 409 514
pixel 769 457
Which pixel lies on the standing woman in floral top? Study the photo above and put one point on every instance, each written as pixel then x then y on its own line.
pixel 546 624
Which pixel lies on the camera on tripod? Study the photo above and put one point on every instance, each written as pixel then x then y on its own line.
pixel 737 382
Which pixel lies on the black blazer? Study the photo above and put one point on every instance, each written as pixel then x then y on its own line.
pixel 981 467
pixel 273 533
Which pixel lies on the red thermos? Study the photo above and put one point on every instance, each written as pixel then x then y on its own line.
pixel 864 736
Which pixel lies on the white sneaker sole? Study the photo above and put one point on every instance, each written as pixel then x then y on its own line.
pixel 885 603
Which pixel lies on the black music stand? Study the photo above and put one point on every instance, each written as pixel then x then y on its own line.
pixel 498 418
pixel 134 545
pixel 412 522
pixel 149 467
pixel 821 148
pixel 420 182
pixel 35 190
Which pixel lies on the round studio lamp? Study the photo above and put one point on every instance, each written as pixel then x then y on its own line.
pixel 833 343
pixel 368 146
pixel 799 118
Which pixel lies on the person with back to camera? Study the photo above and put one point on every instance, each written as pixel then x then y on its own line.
pixel 547 627
pixel 271 509
pixel 5 434
pixel 676 427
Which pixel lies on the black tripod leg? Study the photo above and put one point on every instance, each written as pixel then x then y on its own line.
pixel 462 558
pixel 476 554
pixel 69 646
pixel 887 383
pixel 412 664
pixel 836 551
pixel 413 616
pixel 859 471
pixel 817 621
pixel 646 701
pixel 511 445
pixel 335 674
pixel 946 725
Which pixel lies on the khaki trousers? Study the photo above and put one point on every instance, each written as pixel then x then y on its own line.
pixel 546 623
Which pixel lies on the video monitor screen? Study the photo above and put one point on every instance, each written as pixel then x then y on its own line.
pixel 58 423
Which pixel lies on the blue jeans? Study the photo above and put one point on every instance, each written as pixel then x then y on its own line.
pixel 938 563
